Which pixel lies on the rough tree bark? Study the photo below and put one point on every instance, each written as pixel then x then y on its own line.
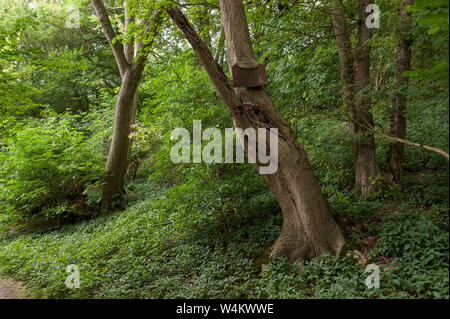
pixel 355 77
pixel 308 227
pixel 398 120
pixel 130 58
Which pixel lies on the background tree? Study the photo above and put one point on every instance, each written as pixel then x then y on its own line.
pixel 398 121
pixel 355 78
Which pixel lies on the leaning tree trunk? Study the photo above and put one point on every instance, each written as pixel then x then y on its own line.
pixel 398 120
pixel 308 227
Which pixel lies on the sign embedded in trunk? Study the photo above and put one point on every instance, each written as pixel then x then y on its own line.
pixel 249 78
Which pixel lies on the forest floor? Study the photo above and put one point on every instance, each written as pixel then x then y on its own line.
pixel 169 242
pixel 12 289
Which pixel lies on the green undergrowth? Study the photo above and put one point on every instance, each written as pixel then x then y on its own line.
pixel 196 240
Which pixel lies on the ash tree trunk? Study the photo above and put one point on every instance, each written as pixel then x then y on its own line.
pixel 130 58
pixel 355 79
pixel 398 120
pixel 308 226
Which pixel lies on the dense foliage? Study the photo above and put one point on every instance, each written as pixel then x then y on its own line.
pixel 48 162
pixel 203 230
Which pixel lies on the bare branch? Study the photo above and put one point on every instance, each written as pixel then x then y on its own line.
pixel 400 140
pixel 215 72
pixel 387 135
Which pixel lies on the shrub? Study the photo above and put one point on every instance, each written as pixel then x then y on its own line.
pixel 46 165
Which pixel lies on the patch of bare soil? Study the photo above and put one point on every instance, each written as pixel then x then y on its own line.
pixel 11 289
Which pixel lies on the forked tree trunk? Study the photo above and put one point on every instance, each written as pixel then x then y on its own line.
pixel 355 77
pixel 398 120
pixel 130 58
pixel 308 226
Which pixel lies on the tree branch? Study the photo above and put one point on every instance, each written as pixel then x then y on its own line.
pixel 403 141
pixel 128 46
pixel 105 23
pixel 400 140
pixel 215 72
pixel 151 30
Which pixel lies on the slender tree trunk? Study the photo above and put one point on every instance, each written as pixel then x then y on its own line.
pixel 308 227
pixel 364 147
pixel 130 58
pixel 398 120
pixel 117 161
pixel 355 77
pixel 204 26
pixel 346 61
pixel 130 140
pixel 220 46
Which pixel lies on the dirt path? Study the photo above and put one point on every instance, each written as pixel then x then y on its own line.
pixel 11 289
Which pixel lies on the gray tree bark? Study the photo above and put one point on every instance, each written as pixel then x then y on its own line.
pixel 398 120
pixel 308 227
pixel 355 77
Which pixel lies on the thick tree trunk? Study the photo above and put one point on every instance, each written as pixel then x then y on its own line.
pixel 355 78
pixel 398 120
pixel 308 227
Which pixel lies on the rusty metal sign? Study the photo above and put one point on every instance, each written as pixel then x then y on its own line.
pixel 249 78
